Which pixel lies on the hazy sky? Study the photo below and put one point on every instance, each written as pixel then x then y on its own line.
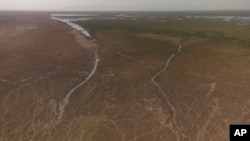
pixel 124 4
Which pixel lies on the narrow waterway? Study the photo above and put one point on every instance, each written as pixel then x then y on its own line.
pixel 63 103
pixel 164 95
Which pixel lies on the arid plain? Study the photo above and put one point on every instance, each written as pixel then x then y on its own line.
pixel 144 78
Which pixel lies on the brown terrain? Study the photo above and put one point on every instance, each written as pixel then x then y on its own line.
pixel 43 60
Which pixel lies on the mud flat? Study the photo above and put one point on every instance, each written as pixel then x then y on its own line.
pixel 192 92
pixel 149 84
pixel 41 61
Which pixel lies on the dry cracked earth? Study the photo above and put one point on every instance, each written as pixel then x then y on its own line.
pixel 191 93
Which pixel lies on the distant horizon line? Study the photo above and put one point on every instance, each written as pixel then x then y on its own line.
pixel 128 10
pixel 223 10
